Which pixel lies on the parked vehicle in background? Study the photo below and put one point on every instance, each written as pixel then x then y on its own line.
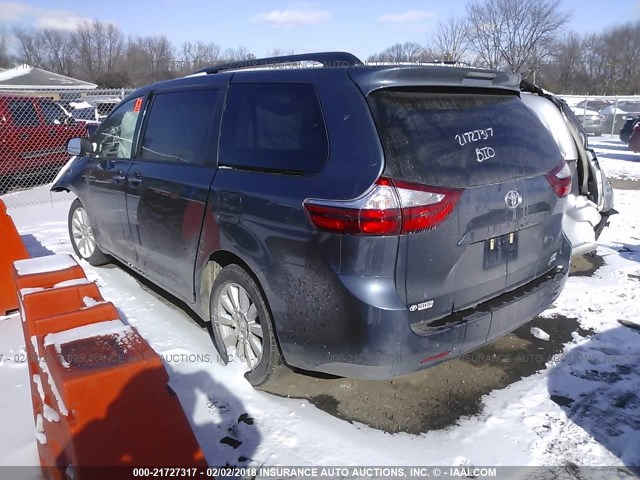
pixel 590 203
pixel 595 104
pixel 592 122
pixel 34 132
pixel 104 104
pixel 626 130
pixel 84 113
pixel 247 197
pixel 620 111
pixel 634 139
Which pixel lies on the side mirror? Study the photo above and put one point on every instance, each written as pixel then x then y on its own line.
pixel 79 147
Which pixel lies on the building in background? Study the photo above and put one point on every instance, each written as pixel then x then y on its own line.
pixel 28 78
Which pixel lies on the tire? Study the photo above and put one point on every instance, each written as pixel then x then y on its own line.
pixel 81 235
pixel 234 321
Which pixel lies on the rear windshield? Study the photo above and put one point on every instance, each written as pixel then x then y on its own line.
pixel 460 140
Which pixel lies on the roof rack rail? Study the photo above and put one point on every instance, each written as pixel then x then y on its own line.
pixel 332 59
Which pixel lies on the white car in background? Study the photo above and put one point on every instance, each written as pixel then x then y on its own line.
pixel 591 120
pixel 590 203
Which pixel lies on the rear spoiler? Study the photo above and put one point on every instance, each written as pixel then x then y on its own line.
pixel 369 79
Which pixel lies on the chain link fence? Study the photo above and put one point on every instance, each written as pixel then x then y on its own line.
pixel 35 126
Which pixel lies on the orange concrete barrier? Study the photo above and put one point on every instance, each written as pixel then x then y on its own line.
pixel 47 272
pixel 99 391
pixel 12 249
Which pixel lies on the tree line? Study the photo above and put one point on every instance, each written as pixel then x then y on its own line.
pixel 100 53
pixel 528 37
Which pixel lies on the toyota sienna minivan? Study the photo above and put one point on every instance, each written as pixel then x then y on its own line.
pixel 333 217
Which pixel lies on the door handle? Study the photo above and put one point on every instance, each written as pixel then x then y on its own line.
pixel 136 179
pixel 119 177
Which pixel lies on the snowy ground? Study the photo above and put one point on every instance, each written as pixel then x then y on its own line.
pixel 583 409
pixel 617 160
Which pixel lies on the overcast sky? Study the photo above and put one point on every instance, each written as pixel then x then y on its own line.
pixel 362 28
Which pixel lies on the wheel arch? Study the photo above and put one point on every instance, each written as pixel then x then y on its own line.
pixel 213 266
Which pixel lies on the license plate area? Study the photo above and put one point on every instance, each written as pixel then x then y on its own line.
pixel 499 250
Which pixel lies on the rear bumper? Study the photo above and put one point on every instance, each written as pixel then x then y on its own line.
pixel 390 346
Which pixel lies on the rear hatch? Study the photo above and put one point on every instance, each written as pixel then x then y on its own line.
pixel 506 226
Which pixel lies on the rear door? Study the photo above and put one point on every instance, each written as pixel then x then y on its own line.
pixel 507 223
pixel 168 184
pixel 106 175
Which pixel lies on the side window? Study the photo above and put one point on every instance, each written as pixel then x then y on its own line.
pixel 23 113
pixel 275 127
pixel 115 136
pixel 179 127
pixel 52 112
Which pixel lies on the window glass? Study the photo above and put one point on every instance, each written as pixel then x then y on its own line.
pixel 114 138
pixel 52 113
pixel 460 140
pixel 23 113
pixel 179 128
pixel 84 113
pixel 276 127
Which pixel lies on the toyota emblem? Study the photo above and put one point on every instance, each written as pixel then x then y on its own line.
pixel 513 199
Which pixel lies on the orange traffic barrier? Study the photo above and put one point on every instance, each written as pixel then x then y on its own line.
pixel 12 249
pixel 115 385
pixel 47 272
pixel 99 391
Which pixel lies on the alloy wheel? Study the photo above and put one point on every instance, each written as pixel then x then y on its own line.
pixel 239 324
pixel 82 233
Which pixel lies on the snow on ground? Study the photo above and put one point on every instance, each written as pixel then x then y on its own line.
pixel 615 157
pixel 583 408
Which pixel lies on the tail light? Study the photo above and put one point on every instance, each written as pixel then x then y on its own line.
pixel 560 179
pixel 391 207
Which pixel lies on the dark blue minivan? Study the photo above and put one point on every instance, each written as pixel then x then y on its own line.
pixel 362 221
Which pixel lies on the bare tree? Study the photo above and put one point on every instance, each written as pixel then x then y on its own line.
pixel 514 34
pixel 100 48
pixel 5 58
pixel 568 61
pixel 30 47
pixel 60 51
pixel 403 52
pixel 279 52
pixel 451 39
pixel 50 49
pixel 237 54
pixel 150 59
pixel 194 56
